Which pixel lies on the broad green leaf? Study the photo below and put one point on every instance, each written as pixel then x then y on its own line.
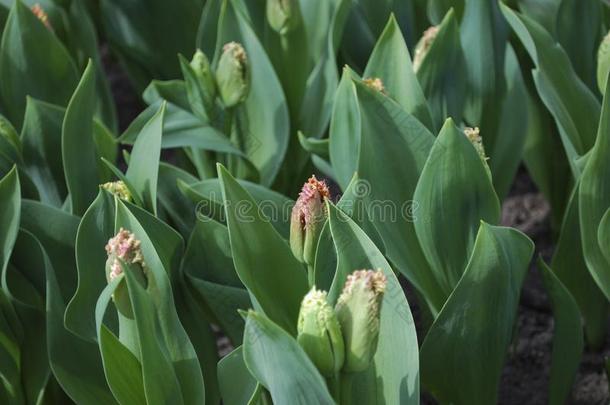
pixel 179 211
pixel 265 125
pixel 95 229
pixel 122 368
pixel 78 370
pixel 570 268
pixel 580 41
pixel 160 249
pixel 147 39
pixel 236 383
pixel 594 200
pixel 396 373
pixel 33 62
pixel 263 260
pixel 442 72
pixel 391 62
pixel 10 209
pixel 506 150
pixel 315 146
pixel 10 352
pixel 143 170
pixel 573 106
pixel 208 267
pixel 462 355
pixel 277 361
pixel 384 132
pixel 207 195
pixel 568 341
pixel 454 194
pixel 78 146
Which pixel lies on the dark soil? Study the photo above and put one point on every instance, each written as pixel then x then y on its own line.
pixel 526 372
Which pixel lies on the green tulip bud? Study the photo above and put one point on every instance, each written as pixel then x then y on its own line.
pixel 375 83
pixel 123 247
pixel 358 309
pixel 423 46
pixel 283 15
pixel 307 220
pixel 233 75
pixel 119 189
pixel 319 333
pixel 205 77
pixel 603 63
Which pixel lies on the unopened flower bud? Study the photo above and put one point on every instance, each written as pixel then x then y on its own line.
pixel 423 46
pixel 307 219
pixel 205 77
pixel 358 309
pixel 375 83
pixel 473 135
pixel 233 74
pixel 603 63
pixel 41 15
pixel 123 247
pixel 319 333
pixel 283 15
pixel 119 189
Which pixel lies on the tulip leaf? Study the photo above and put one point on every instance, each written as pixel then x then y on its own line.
pixel 570 268
pixel 207 194
pixel 391 62
pixel 573 106
pixel 33 62
pixel 78 370
pixel 594 200
pixel 454 194
pixel 95 229
pixel 78 146
pixel 156 304
pixel 236 383
pixel 263 260
pixel 568 341
pixel 143 171
pixel 208 267
pixel 277 361
pixel 453 368
pixel 442 72
pixel 179 211
pixel 10 208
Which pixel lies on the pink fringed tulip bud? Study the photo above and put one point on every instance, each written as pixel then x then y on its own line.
pixel 119 189
pixel 358 309
pixel 423 46
pixel 42 16
pixel 375 83
pixel 123 247
pixel 308 216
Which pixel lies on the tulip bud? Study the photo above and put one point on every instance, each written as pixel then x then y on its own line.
pixel 233 74
pixel 319 333
pixel 358 309
pixel 307 219
pixel 41 15
pixel 203 72
pixel 123 247
pixel 119 189
pixel 375 83
pixel 283 15
pixel 423 46
pixel 473 135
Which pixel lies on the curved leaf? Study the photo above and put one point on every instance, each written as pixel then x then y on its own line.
pixel 277 361
pixel 568 341
pixel 77 144
pixel 454 194
pixel 263 260
pixel 462 354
